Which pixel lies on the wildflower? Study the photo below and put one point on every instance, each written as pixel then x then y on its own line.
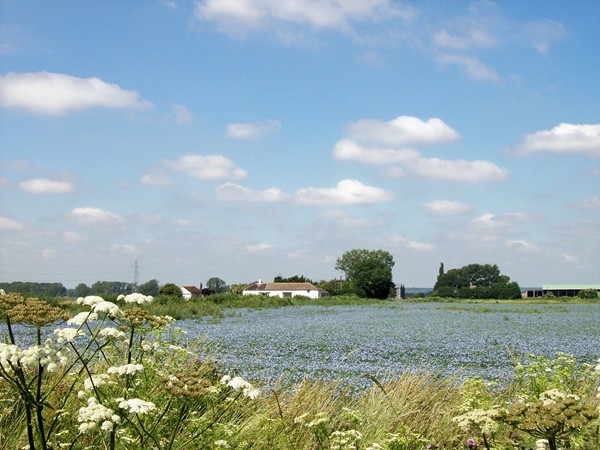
pixel 67 334
pixel 96 380
pixel 470 443
pixel 479 419
pixel 221 443
pixel 597 368
pixel 239 384
pixel 112 333
pixel 81 318
pixel 93 414
pixel 107 307
pixel 136 405
pixel 90 300
pixel 126 369
pixel 138 298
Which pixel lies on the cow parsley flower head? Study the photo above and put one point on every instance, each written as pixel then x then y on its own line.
pixel 126 369
pixel 138 298
pixel 67 334
pixel 136 405
pixel 81 318
pixel 90 300
pixel 107 307
pixel 110 332
pixel 239 384
pixel 95 413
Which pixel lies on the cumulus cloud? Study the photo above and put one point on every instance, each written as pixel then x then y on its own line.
pixel 470 65
pixel 252 131
pixel 349 150
pixel 403 130
pixel 256 248
pixel 458 170
pixel 156 179
pixel 588 203
pixel 56 94
pixel 206 167
pixel 564 139
pixel 95 216
pixel 347 192
pixel 46 186
pixel 181 114
pixel 522 246
pixel 505 223
pixel 446 207
pixel 240 16
pixel 231 192
pixel 8 224
pixel 401 241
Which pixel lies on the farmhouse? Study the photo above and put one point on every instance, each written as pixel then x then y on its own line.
pixel 562 290
pixel 285 290
pixel 190 291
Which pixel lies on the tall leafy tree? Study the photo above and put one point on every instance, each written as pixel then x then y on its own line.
pixel 149 288
pixel 216 284
pixel 368 271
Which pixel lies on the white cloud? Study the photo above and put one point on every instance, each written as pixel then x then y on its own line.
pixel 231 192
pixel 420 246
pixel 209 167
pixel 156 179
pixel 71 237
pixel 239 16
pixel 55 94
pixel 347 149
pixel 7 224
pixel 522 246
pixel 257 248
pixel 475 37
pixel 505 223
pixel 182 115
pixel 347 192
pixel 458 170
pixel 46 186
pixel 403 130
pixel 252 131
pixel 471 66
pixel 588 203
pixel 446 207
pixel 564 139
pixel 95 216
pixel 128 249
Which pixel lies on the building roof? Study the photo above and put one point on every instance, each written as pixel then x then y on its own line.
pixel 282 287
pixel 192 290
pixel 568 287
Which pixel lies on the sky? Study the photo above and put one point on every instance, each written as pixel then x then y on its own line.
pixel 182 140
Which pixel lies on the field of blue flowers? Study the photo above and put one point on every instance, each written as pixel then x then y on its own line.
pixel 348 342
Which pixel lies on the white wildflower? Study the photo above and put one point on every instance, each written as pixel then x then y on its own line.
pixel 597 369
pixel 554 396
pixel 225 379
pixel 239 384
pixel 107 307
pixel 80 319
pixel 112 333
pixel 136 405
pixel 138 298
pixel 120 297
pixel 221 444
pixel 96 380
pixel 478 419
pixel 93 414
pixel 541 444
pixel 67 334
pixel 90 300
pixel 126 369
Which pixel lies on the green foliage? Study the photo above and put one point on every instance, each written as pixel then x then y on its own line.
pixel 476 281
pixel 588 294
pixel 170 290
pixel 369 272
pixel 31 289
pixel 217 285
pixel 150 287
pixel 292 279
pixel 111 288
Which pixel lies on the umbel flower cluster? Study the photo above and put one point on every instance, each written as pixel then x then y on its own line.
pixel 108 377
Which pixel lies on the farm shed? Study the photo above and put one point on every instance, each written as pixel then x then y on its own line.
pixel 285 290
pixel 190 291
pixel 562 290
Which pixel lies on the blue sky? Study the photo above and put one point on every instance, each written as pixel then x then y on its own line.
pixel 246 139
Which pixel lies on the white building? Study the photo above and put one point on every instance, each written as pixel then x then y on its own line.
pixel 190 291
pixel 285 290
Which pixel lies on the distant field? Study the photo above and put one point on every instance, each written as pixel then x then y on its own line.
pixel 347 342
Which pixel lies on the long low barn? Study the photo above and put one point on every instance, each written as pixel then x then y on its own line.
pixel 562 290
pixel 285 290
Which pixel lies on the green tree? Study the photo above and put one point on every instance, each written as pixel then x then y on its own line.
pixel 476 281
pixel 149 288
pixel 292 279
pixel 170 290
pixel 82 290
pixel 217 285
pixel 368 271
